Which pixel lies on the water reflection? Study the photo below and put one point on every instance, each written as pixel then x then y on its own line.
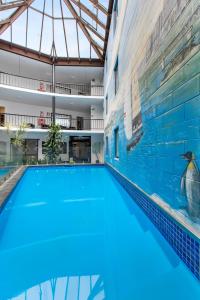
pixel 86 287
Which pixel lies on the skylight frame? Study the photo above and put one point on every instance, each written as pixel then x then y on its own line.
pixel 86 20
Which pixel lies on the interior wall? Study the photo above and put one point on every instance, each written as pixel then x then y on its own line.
pixel 97 144
pixel 157 105
pixel 20 65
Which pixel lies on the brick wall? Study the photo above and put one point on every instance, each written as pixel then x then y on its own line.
pixel 157 106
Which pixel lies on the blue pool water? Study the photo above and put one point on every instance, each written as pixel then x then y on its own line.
pixel 71 233
pixel 4 171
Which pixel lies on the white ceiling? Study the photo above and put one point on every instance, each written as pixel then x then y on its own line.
pixel 19 65
pixel 70 102
pixel 79 74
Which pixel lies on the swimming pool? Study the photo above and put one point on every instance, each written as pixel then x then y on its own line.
pixel 5 171
pixel 75 233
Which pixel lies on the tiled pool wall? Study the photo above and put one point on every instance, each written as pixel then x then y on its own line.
pixel 185 244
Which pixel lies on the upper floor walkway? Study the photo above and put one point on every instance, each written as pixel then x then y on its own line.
pixel 81 89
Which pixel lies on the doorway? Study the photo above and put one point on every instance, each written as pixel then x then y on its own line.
pixel 79 123
pixel 31 149
pixel 80 149
pixel 2 115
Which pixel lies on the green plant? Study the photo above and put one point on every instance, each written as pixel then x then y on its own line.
pixel 42 162
pixel 53 144
pixel 17 140
pixel 18 136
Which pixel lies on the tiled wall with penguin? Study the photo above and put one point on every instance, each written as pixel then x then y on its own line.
pixel 157 104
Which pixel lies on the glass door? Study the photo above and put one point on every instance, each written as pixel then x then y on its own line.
pixel 80 149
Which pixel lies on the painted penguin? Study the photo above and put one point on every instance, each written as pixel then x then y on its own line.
pixel 190 185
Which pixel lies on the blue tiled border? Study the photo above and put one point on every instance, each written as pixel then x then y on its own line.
pixel 185 244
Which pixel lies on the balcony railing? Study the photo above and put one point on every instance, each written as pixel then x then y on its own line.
pixel 46 86
pixel 8 120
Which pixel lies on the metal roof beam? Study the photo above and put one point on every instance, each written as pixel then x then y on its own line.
pixel 92 29
pixel 13 4
pixel 5 21
pixel 82 26
pixel 89 13
pixel 99 6
pixel 60 61
pixel 15 15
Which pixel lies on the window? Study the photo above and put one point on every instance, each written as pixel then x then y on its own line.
pixel 107 149
pixel 3 148
pixel 64 148
pixel 43 147
pixel 116 137
pixel 28 149
pixel 106 104
pixel 116 76
pixel 115 15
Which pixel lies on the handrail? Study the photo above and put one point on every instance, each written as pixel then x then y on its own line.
pixel 25 77
pixel 43 122
pixel 68 88
pixel 46 117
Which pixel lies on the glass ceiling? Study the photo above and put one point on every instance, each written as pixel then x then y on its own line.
pixel 63 28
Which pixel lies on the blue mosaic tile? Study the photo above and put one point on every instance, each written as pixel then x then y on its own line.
pixel 184 244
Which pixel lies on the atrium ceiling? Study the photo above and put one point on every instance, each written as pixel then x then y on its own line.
pixel 66 32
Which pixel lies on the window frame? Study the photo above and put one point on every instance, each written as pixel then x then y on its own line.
pixel 116 142
pixel 106 104
pixel 115 15
pixel 116 75
pixel 107 146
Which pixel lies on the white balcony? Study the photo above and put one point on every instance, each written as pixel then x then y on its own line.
pixel 81 89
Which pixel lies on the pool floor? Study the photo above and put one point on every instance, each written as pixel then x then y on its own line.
pixel 73 233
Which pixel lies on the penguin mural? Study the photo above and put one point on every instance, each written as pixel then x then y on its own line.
pixel 190 185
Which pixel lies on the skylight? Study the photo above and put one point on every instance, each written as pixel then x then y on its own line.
pixel 60 28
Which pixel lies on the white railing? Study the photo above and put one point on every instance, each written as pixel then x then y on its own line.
pixel 85 89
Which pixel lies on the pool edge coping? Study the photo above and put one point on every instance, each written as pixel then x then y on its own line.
pixel 9 184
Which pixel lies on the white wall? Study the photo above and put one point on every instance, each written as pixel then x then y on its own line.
pixel 35 110
pixel 97 139
pixel 19 65
pixel 23 66
pixel 41 136
pixel 97 111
